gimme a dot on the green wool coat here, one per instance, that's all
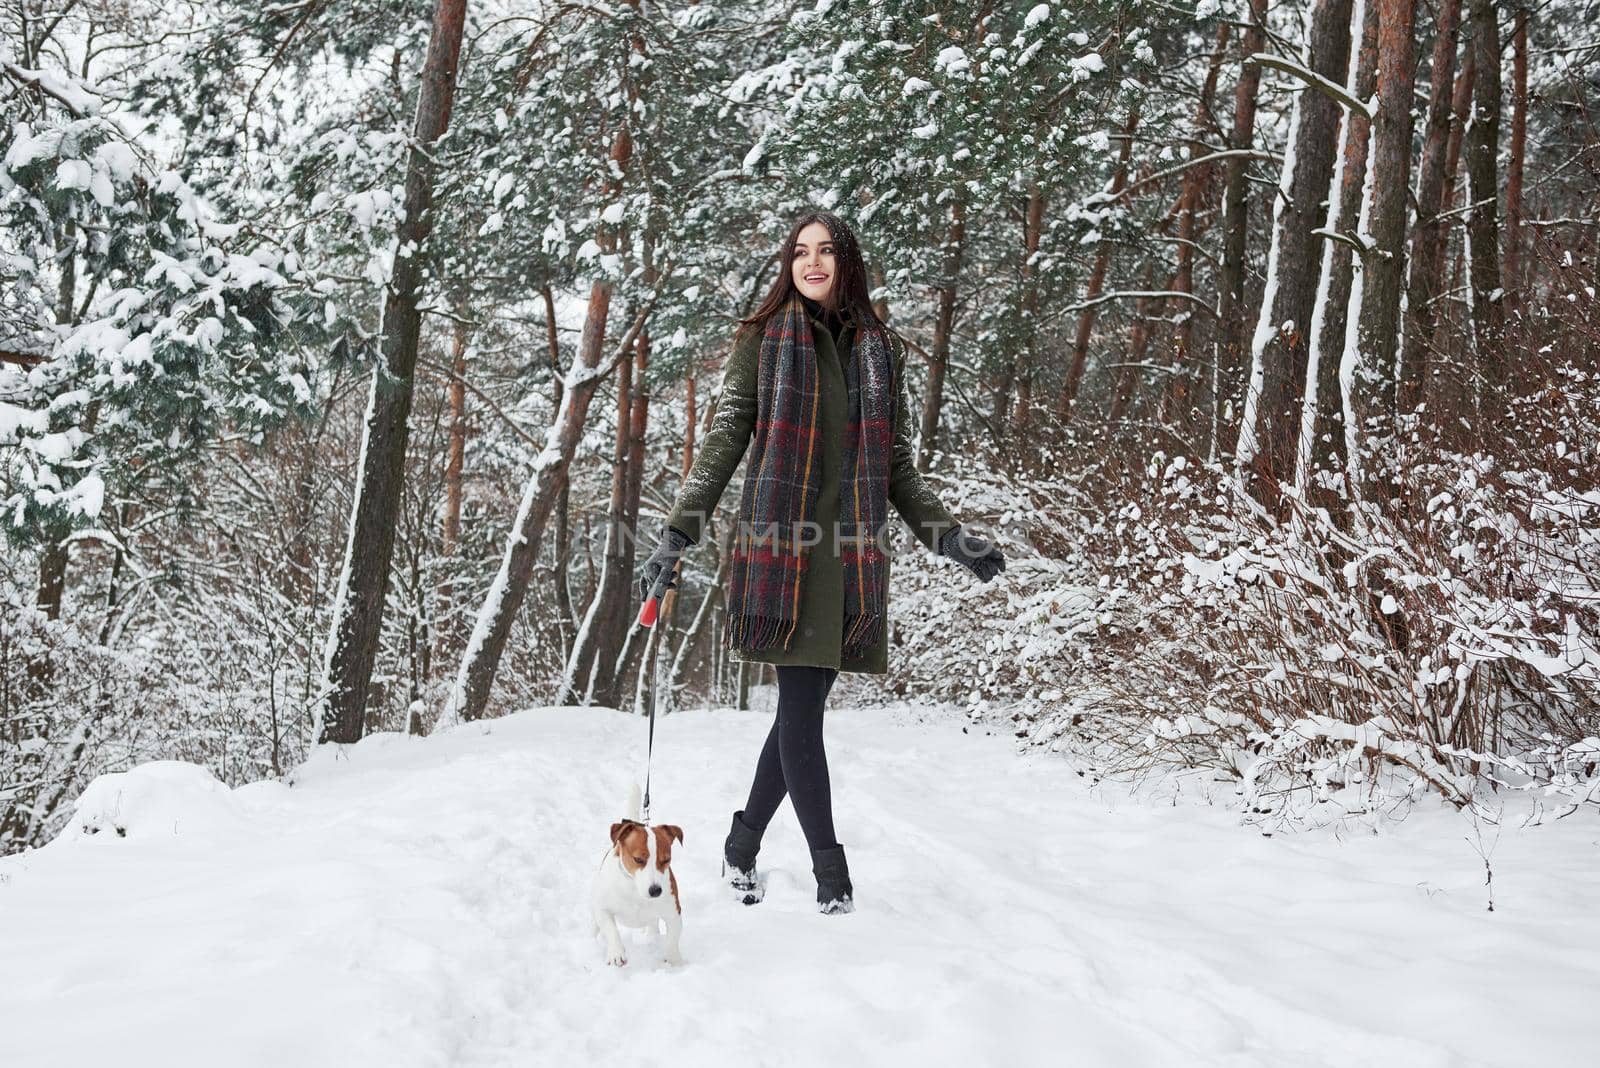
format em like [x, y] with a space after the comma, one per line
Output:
[819, 633]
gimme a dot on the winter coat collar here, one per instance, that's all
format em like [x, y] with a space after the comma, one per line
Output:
[834, 322]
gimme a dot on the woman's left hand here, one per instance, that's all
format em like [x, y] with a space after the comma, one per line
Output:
[978, 555]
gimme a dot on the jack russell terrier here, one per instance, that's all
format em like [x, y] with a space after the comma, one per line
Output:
[635, 886]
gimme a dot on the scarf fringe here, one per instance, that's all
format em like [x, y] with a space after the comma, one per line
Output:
[755, 633]
[751, 631]
[861, 632]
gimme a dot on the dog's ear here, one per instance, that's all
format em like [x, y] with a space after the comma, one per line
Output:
[672, 831]
[617, 829]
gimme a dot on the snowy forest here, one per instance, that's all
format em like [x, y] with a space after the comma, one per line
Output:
[352, 353]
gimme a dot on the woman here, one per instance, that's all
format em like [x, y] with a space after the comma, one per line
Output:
[815, 386]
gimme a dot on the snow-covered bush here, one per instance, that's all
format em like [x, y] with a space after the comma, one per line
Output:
[1347, 658]
[218, 676]
[1013, 637]
[162, 797]
[63, 702]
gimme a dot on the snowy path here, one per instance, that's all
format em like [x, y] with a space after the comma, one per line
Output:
[424, 902]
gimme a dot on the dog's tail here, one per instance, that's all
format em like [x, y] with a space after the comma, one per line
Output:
[633, 801]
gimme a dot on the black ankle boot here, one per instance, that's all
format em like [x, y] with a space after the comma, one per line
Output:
[833, 880]
[739, 861]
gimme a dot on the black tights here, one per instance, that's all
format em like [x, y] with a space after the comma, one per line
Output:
[793, 760]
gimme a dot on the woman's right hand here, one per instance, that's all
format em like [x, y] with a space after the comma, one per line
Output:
[657, 576]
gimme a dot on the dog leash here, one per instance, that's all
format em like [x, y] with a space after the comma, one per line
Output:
[649, 749]
[648, 613]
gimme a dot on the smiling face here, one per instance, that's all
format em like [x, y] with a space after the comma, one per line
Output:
[813, 264]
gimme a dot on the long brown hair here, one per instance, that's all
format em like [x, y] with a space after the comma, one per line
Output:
[850, 290]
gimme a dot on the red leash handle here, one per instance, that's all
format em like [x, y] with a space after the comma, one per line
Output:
[652, 605]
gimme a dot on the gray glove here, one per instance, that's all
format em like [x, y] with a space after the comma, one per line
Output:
[976, 554]
[657, 576]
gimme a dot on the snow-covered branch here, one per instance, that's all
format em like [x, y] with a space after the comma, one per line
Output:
[1316, 81]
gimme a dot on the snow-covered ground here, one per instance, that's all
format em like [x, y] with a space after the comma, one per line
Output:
[424, 902]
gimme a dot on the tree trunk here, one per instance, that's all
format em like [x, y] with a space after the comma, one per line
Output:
[1384, 260]
[53, 561]
[705, 610]
[1446, 385]
[1138, 344]
[1461, 116]
[611, 669]
[669, 609]
[688, 425]
[1481, 144]
[694, 424]
[1028, 304]
[876, 279]
[939, 354]
[559, 572]
[1427, 240]
[1176, 396]
[1097, 281]
[562, 549]
[1519, 149]
[456, 458]
[119, 519]
[1322, 432]
[1270, 423]
[1229, 344]
[52, 579]
[358, 609]
[586, 663]
[880, 307]
[552, 340]
[1022, 410]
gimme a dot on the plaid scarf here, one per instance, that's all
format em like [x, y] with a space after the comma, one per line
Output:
[776, 527]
